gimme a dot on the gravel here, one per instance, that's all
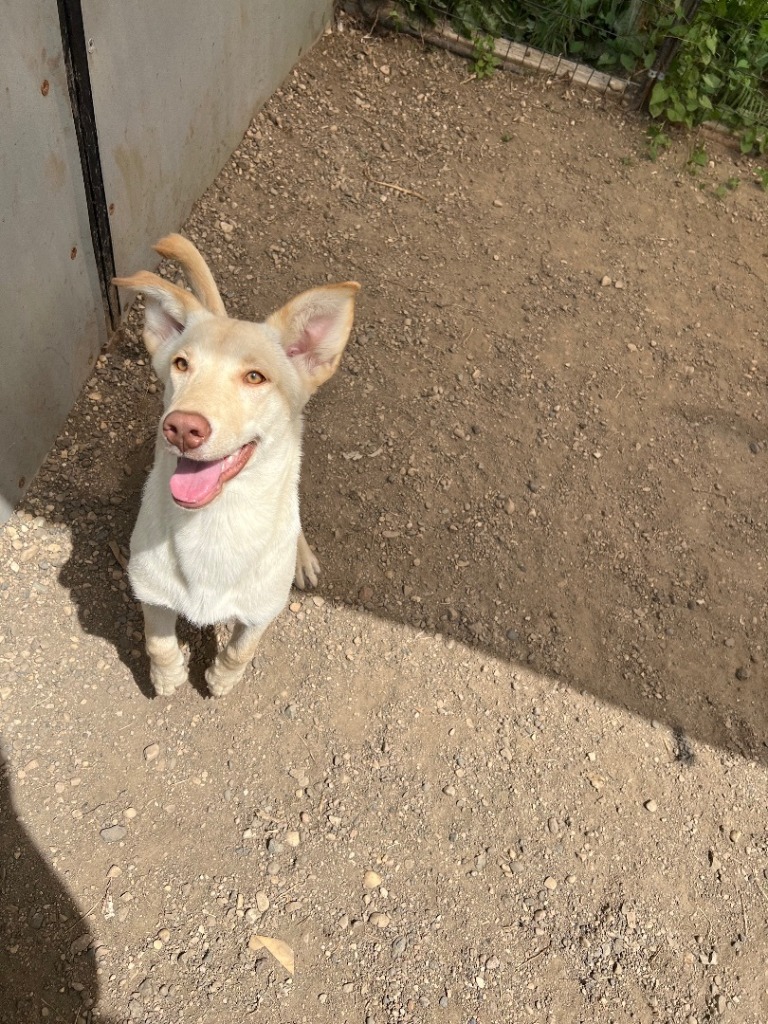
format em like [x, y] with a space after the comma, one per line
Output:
[503, 764]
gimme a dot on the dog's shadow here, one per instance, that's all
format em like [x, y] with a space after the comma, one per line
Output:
[95, 575]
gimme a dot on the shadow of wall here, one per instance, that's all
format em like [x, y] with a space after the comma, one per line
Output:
[47, 966]
[622, 576]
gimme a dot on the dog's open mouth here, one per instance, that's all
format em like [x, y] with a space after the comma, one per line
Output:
[195, 483]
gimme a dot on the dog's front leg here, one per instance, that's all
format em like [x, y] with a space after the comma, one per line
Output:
[166, 662]
[232, 662]
[307, 565]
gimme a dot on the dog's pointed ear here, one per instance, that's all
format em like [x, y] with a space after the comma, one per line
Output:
[314, 330]
[167, 308]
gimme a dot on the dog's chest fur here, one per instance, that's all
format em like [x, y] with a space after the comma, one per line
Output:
[234, 559]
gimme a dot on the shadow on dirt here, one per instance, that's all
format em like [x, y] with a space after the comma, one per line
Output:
[95, 577]
[508, 542]
[512, 540]
[47, 968]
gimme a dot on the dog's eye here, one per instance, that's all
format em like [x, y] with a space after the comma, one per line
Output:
[181, 364]
[254, 377]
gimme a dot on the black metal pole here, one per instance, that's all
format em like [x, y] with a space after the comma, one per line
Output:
[75, 48]
[666, 55]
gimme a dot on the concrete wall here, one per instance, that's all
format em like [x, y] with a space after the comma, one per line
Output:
[51, 317]
[175, 85]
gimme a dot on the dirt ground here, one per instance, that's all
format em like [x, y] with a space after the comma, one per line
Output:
[510, 762]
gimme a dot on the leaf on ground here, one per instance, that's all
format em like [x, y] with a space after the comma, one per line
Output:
[120, 558]
[280, 950]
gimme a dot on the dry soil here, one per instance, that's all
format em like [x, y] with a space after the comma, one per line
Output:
[510, 762]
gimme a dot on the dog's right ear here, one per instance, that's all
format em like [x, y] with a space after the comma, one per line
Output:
[168, 308]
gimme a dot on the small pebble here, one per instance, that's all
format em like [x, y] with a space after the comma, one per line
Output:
[371, 880]
[113, 834]
[151, 752]
[80, 944]
[651, 806]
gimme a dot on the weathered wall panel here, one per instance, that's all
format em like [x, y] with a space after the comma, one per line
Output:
[51, 317]
[175, 85]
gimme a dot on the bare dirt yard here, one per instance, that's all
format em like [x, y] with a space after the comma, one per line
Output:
[509, 763]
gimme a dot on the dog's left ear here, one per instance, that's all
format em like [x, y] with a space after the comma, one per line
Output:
[314, 330]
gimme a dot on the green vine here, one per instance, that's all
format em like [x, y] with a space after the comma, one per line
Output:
[719, 73]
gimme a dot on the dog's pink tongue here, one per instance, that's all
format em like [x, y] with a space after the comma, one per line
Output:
[193, 482]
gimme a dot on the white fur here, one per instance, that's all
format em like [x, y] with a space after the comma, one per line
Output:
[235, 557]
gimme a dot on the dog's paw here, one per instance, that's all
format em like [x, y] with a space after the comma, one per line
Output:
[166, 681]
[220, 682]
[307, 566]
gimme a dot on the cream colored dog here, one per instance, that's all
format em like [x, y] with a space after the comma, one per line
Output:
[218, 536]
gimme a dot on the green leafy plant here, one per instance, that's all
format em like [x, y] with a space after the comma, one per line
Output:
[761, 174]
[484, 59]
[658, 141]
[727, 186]
[719, 71]
[610, 34]
[697, 160]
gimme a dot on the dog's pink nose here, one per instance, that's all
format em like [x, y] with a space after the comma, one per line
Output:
[186, 430]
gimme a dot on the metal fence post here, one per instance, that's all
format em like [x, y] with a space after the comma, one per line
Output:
[666, 55]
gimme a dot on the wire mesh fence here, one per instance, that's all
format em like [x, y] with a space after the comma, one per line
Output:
[687, 61]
